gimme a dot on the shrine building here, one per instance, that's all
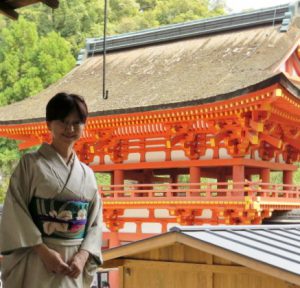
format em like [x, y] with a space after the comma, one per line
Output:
[232, 256]
[198, 117]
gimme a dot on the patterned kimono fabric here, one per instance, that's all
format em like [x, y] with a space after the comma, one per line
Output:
[52, 203]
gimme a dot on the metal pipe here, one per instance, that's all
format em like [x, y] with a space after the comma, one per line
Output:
[105, 92]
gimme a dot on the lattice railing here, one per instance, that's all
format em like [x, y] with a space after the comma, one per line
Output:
[204, 191]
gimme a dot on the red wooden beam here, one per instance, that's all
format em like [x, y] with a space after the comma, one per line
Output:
[199, 163]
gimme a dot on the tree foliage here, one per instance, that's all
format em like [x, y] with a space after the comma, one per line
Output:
[9, 155]
[74, 20]
[134, 15]
[80, 19]
[29, 62]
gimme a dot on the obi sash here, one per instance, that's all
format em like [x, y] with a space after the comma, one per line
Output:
[60, 219]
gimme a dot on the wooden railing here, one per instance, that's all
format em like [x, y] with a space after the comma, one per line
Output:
[218, 190]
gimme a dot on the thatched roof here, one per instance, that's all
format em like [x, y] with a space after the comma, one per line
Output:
[8, 7]
[174, 73]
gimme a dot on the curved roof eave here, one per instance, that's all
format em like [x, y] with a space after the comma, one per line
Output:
[279, 78]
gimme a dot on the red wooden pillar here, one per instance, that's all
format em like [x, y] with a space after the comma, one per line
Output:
[118, 179]
[222, 178]
[174, 180]
[195, 174]
[238, 175]
[114, 275]
[287, 179]
[164, 227]
[146, 179]
[265, 177]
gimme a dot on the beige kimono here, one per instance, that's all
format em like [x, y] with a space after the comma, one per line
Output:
[44, 174]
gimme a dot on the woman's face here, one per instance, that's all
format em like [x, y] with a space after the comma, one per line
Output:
[66, 131]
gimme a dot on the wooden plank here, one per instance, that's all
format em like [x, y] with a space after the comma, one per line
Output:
[210, 280]
[152, 274]
[240, 259]
[210, 275]
[249, 281]
[178, 252]
[121, 277]
[209, 259]
[191, 163]
[140, 246]
[189, 267]
[8, 11]
[113, 263]
[192, 255]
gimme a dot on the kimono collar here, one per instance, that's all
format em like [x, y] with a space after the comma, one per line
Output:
[52, 155]
[72, 178]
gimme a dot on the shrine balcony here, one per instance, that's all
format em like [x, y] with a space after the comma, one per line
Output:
[230, 203]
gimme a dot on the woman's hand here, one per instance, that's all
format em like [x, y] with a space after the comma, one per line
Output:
[77, 263]
[52, 260]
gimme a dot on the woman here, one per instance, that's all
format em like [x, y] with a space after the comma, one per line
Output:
[51, 222]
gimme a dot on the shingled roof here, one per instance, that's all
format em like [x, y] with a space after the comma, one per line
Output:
[171, 74]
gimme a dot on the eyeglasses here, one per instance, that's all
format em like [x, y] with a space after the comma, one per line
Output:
[65, 124]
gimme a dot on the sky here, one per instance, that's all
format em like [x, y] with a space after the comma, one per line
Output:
[240, 5]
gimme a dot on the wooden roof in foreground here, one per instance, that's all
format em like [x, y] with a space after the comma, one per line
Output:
[178, 73]
[8, 7]
[270, 249]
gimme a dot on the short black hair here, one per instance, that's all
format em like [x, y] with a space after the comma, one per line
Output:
[62, 104]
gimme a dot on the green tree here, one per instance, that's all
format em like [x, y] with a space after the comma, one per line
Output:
[29, 63]
[74, 20]
[80, 19]
[103, 178]
[296, 175]
[176, 11]
[53, 58]
[218, 7]
[130, 15]
[9, 155]
[122, 8]
[147, 4]
[138, 22]
[18, 78]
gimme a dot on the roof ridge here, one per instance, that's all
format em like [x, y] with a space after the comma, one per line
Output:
[188, 29]
[233, 227]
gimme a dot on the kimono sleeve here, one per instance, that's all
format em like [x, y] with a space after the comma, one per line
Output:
[93, 240]
[17, 227]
